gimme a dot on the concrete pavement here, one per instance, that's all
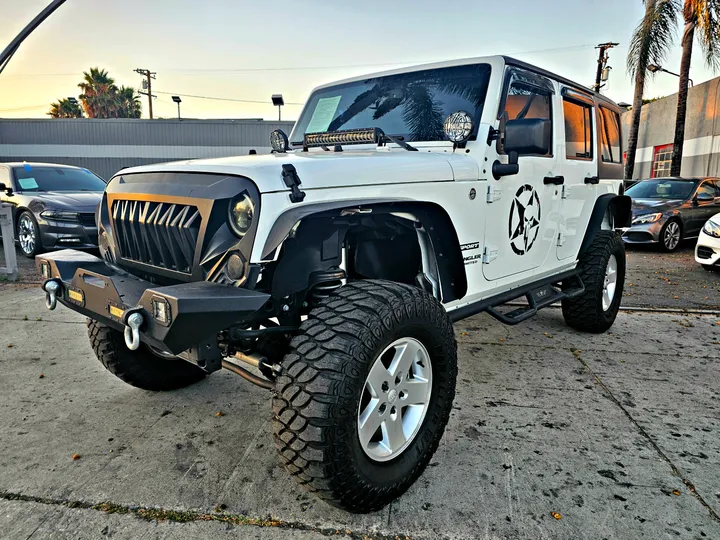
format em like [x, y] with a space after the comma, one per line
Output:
[616, 434]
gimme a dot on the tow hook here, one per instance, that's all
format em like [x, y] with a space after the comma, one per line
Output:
[51, 288]
[132, 331]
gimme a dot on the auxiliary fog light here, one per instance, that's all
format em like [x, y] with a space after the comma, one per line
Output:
[161, 311]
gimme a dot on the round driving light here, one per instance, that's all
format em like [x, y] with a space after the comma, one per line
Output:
[235, 268]
[458, 126]
[241, 214]
[279, 141]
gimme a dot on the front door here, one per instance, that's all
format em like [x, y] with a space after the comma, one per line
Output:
[704, 204]
[521, 213]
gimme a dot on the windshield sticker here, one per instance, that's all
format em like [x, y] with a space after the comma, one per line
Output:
[324, 114]
[27, 183]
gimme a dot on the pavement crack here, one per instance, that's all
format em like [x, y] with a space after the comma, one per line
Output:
[188, 516]
[675, 470]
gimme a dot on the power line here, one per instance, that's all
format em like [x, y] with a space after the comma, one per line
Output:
[26, 108]
[222, 98]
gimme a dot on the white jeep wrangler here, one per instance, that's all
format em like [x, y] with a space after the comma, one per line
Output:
[335, 266]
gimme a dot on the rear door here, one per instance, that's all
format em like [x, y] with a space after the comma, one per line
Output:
[703, 210]
[579, 165]
[521, 218]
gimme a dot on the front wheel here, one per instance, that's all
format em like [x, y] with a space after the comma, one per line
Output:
[365, 393]
[602, 269]
[671, 235]
[143, 368]
[28, 235]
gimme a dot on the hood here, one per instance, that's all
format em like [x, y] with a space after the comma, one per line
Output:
[77, 201]
[319, 169]
[647, 206]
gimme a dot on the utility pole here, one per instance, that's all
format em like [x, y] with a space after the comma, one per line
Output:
[602, 62]
[147, 85]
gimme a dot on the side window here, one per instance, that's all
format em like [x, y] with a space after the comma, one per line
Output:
[578, 130]
[610, 136]
[717, 187]
[707, 189]
[525, 101]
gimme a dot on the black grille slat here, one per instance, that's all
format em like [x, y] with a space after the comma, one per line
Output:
[159, 234]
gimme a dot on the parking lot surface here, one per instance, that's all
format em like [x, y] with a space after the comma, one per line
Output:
[554, 434]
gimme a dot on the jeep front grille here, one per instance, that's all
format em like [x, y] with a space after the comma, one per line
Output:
[158, 234]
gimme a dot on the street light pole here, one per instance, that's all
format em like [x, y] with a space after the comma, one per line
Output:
[7, 54]
[278, 101]
[177, 100]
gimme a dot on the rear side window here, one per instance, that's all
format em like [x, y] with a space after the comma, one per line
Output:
[610, 136]
[578, 130]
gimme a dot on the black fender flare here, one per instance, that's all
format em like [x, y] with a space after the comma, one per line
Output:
[434, 218]
[618, 206]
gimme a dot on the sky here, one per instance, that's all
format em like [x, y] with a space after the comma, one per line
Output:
[250, 49]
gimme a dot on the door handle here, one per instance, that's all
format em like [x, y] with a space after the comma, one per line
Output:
[592, 180]
[556, 180]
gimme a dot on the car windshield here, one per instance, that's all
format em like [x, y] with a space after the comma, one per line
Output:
[661, 189]
[408, 105]
[46, 178]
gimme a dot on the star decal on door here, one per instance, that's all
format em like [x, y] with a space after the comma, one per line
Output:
[524, 224]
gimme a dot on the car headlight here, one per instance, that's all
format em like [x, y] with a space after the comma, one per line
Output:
[646, 218]
[713, 229]
[59, 215]
[242, 210]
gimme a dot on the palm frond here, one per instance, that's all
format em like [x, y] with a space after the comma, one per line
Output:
[654, 36]
[705, 15]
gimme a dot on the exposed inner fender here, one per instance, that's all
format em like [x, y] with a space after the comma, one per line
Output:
[317, 243]
[613, 210]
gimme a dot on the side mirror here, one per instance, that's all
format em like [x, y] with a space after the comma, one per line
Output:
[5, 189]
[704, 197]
[526, 136]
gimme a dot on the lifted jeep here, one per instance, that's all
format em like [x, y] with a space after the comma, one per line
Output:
[333, 268]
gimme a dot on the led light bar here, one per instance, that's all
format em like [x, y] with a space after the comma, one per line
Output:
[349, 136]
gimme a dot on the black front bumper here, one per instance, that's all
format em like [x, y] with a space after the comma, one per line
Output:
[197, 310]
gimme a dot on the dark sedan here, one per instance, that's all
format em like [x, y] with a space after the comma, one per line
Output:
[53, 205]
[669, 210]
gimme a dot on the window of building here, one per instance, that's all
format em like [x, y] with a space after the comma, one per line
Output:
[610, 136]
[578, 130]
[662, 158]
[525, 101]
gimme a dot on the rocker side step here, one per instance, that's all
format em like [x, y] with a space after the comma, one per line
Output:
[538, 295]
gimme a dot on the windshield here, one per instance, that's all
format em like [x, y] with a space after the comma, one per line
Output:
[408, 105]
[32, 178]
[661, 189]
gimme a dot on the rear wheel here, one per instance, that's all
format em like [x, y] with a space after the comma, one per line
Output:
[143, 368]
[602, 269]
[671, 235]
[365, 393]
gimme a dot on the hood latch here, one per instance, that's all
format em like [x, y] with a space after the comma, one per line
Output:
[292, 180]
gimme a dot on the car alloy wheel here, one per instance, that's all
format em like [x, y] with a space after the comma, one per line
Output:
[610, 283]
[671, 238]
[27, 234]
[395, 399]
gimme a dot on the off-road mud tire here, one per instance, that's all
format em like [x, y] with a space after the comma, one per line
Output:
[140, 368]
[318, 393]
[586, 313]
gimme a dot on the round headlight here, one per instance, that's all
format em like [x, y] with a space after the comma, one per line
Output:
[279, 141]
[241, 214]
[458, 126]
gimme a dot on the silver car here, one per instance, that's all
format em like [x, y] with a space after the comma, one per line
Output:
[53, 205]
[669, 210]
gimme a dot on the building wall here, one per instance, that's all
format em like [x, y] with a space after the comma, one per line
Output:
[106, 146]
[701, 151]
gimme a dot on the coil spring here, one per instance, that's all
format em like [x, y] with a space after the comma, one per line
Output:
[326, 282]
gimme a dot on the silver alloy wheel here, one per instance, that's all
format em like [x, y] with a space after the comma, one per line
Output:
[672, 235]
[26, 234]
[610, 284]
[395, 399]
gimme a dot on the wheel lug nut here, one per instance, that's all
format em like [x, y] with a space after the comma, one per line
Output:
[382, 408]
[385, 386]
[397, 380]
[392, 410]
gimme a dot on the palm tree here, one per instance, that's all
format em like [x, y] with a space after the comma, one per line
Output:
[99, 94]
[650, 44]
[128, 103]
[64, 108]
[701, 16]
